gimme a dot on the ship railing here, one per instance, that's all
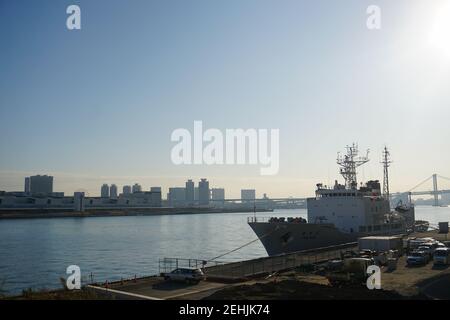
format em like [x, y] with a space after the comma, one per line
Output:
[254, 219]
[258, 219]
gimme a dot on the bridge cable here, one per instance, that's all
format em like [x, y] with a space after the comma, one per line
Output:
[442, 177]
[429, 178]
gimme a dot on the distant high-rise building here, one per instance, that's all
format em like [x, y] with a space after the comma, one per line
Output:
[126, 189]
[196, 194]
[217, 194]
[177, 197]
[203, 192]
[445, 199]
[248, 195]
[78, 201]
[190, 192]
[155, 189]
[113, 191]
[136, 188]
[27, 188]
[104, 191]
[41, 184]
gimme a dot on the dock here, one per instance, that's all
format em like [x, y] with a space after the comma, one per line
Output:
[407, 281]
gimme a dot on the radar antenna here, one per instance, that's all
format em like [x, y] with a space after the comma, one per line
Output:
[349, 162]
[386, 161]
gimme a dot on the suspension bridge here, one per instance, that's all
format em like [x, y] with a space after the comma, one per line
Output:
[435, 192]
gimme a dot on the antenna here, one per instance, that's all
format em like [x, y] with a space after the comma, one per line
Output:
[349, 162]
[386, 161]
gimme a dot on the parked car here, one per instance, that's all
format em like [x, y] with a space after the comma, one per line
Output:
[441, 245]
[427, 249]
[441, 256]
[185, 274]
[417, 258]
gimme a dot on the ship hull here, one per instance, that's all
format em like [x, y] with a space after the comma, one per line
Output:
[282, 238]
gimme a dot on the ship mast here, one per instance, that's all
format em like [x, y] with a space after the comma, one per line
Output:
[349, 162]
[386, 161]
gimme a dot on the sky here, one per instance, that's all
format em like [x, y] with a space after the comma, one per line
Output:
[98, 105]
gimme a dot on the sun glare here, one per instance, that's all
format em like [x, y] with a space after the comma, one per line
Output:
[440, 32]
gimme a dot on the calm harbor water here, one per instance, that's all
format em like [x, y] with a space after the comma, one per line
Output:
[35, 253]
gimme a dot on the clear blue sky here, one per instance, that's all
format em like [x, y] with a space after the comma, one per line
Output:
[99, 104]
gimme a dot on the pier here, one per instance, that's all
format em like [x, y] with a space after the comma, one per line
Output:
[265, 270]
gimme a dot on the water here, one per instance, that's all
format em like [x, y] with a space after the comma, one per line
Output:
[35, 253]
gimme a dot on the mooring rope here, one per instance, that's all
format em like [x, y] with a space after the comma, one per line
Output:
[244, 245]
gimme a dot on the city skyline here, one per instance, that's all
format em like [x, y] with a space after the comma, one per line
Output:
[99, 104]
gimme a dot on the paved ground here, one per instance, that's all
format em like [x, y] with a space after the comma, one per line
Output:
[157, 287]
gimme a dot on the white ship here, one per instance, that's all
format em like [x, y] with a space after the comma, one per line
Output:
[337, 215]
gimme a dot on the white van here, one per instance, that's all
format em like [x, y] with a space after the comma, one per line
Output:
[441, 256]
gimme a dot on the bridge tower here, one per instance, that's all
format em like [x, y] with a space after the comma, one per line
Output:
[435, 191]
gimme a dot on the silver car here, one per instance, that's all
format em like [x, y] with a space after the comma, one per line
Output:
[186, 275]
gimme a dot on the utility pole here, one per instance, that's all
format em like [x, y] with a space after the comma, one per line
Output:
[386, 163]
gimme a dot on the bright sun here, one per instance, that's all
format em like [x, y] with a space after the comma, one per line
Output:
[440, 32]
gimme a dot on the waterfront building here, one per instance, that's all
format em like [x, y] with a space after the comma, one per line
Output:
[203, 192]
[126, 189]
[104, 191]
[78, 202]
[177, 197]
[41, 184]
[190, 192]
[248, 195]
[196, 195]
[113, 191]
[136, 188]
[218, 196]
[27, 188]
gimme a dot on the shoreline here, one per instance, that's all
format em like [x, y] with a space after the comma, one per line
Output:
[123, 212]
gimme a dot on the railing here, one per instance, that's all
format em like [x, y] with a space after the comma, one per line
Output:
[169, 264]
[268, 265]
[254, 219]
